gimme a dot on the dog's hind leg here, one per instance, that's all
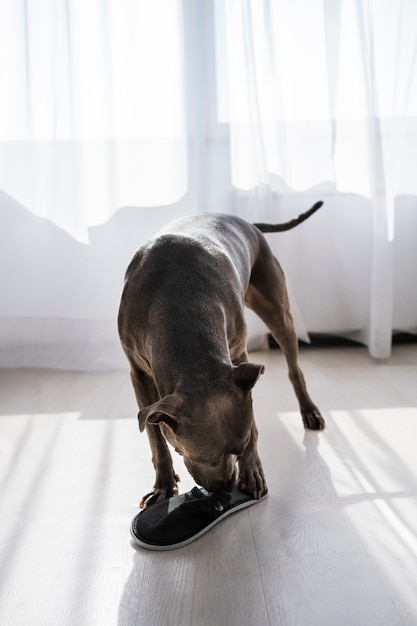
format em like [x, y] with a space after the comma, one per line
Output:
[166, 480]
[267, 297]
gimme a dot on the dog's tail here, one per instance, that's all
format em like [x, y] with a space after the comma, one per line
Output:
[277, 228]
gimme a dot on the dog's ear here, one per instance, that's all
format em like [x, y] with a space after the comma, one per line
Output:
[166, 410]
[245, 374]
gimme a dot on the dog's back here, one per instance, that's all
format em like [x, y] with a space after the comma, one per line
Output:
[190, 278]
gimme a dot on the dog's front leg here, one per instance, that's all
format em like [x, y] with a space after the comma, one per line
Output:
[251, 477]
[166, 480]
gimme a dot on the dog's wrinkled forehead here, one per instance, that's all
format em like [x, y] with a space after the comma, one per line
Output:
[217, 407]
[214, 405]
[220, 419]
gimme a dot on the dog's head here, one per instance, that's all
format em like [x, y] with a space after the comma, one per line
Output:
[210, 428]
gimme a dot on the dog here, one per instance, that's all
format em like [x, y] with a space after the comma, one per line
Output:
[181, 325]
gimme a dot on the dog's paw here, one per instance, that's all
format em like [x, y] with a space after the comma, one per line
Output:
[160, 492]
[156, 496]
[312, 419]
[252, 481]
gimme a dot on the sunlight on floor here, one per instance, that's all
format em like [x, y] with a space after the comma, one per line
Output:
[368, 460]
[334, 544]
[375, 476]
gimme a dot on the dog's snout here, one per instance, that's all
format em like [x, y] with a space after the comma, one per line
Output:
[214, 478]
[231, 483]
[224, 485]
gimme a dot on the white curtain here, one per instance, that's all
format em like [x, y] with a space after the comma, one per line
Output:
[117, 116]
[92, 115]
[326, 91]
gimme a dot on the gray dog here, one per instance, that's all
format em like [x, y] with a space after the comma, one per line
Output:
[182, 327]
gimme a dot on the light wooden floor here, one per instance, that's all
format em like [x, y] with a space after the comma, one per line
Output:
[334, 544]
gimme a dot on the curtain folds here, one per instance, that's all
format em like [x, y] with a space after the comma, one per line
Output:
[327, 92]
[118, 116]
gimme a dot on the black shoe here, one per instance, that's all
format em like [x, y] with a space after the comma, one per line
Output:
[178, 521]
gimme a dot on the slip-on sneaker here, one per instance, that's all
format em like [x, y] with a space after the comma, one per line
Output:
[178, 521]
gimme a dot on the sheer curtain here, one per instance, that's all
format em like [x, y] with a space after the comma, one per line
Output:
[104, 121]
[118, 116]
[92, 116]
[327, 92]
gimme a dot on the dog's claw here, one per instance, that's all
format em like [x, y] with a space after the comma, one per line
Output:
[254, 485]
[149, 499]
[156, 496]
